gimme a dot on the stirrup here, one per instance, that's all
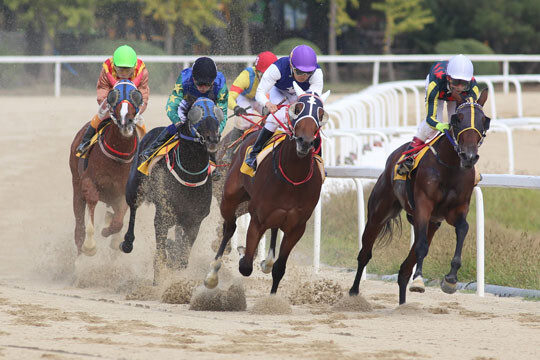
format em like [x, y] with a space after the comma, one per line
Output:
[405, 167]
[251, 161]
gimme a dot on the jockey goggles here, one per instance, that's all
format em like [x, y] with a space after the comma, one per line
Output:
[124, 71]
[460, 83]
[300, 72]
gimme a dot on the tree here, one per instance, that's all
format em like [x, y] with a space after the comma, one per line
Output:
[43, 18]
[192, 15]
[401, 16]
[338, 18]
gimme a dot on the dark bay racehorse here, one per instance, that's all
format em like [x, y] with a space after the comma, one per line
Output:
[441, 187]
[102, 176]
[283, 192]
[179, 185]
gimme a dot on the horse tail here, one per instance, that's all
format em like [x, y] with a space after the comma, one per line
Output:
[386, 234]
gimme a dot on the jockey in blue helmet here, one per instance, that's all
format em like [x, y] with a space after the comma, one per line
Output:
[277, 81]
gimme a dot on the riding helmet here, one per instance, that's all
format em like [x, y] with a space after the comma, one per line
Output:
[125, 56]
[204, 70]
[303, 58]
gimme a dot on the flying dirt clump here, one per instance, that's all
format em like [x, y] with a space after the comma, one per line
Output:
[179, 292]
[353, 303]
[320, 291]
[233, 299]
[271, 305]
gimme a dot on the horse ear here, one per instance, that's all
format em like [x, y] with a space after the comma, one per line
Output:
[295, 109]
[298, 89]
[195, 114]
[136, 97]
[325, 96]
[483, 97]
[219, 114]
[323, 117]
[113, 96]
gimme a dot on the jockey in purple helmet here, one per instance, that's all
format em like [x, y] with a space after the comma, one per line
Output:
[277, 81]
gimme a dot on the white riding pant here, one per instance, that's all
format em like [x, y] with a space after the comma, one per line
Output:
[240, 122]
[276, 96]
[424, 131]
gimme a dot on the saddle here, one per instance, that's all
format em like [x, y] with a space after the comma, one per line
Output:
[417, 158]
[274, 141]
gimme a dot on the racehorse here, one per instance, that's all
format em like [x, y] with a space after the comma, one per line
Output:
[439, 189]
[103, 174]
[180, 186]
[281, 195]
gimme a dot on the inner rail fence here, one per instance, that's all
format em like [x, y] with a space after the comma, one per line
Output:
[186, 60]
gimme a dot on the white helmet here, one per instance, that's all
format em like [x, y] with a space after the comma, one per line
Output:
[460, 67]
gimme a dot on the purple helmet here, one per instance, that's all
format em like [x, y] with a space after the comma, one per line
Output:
[303, 58]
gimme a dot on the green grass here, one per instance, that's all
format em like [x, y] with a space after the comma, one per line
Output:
[512, 240]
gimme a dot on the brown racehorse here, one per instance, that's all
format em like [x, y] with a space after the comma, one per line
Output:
[440, 189]
[102, 176]
[283, 192]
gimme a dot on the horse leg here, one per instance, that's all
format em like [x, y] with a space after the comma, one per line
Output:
[380, 214]
[116, 224]
[127, 245]
[162, 223]
[89, 245]
[449, 283]
[287, 244]
[229, 226]
[406, 267]
[266, 264]
[254, 234]
[183, 244]
[91, 196]
[79, 209]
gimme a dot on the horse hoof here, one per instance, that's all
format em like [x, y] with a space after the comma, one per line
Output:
[417, 285]
[448, 287]
[353, 292]
[266, 266]
[126, 246]
[241, 250]
[211, 281]
[116, 243]
[89, 251]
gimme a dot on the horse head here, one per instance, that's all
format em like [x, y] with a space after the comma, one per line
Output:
[308, 107]
[468, 128]
[203, 122]
[124, 101]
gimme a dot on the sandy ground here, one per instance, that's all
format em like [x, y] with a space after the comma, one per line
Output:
[54, 305]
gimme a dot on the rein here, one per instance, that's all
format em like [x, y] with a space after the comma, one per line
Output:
[294, 183]
[170, 167]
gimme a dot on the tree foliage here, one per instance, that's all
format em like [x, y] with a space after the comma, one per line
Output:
[194, 15]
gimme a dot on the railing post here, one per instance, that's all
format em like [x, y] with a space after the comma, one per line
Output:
[57, 72]
[506, 72]
[479, 241]
[376, 67]
[361, 217]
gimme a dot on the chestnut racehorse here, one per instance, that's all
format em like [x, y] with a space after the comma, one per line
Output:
[283, 192]
[103, 174]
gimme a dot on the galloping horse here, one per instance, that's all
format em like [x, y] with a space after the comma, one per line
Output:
[283, 192]
[102, 176]
[439, 189]
[180, 185]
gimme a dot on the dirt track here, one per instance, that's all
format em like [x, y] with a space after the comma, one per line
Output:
[56, 306]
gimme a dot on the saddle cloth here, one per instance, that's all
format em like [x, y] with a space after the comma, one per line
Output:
[417, 158]
[277, 138]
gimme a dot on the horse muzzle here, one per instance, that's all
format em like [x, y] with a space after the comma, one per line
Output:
[468, 159]
[303, 147]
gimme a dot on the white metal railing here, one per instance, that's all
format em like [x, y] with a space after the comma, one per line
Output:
[358, 173]
[384, 108]
[376, 60]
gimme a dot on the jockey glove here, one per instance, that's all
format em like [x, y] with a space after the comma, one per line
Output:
[442, 126]
[238, 110]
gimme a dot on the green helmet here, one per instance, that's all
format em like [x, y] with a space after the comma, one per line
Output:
[125, 56]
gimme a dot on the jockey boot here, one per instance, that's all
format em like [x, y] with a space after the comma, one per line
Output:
[264, 135]
[406, 166]
[85, 141]
[235, 135]
[155, 145]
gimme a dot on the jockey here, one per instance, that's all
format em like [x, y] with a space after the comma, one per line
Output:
[201, 80]
[123, 65]
[243, 89]
[277, 81]
[445, 81]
